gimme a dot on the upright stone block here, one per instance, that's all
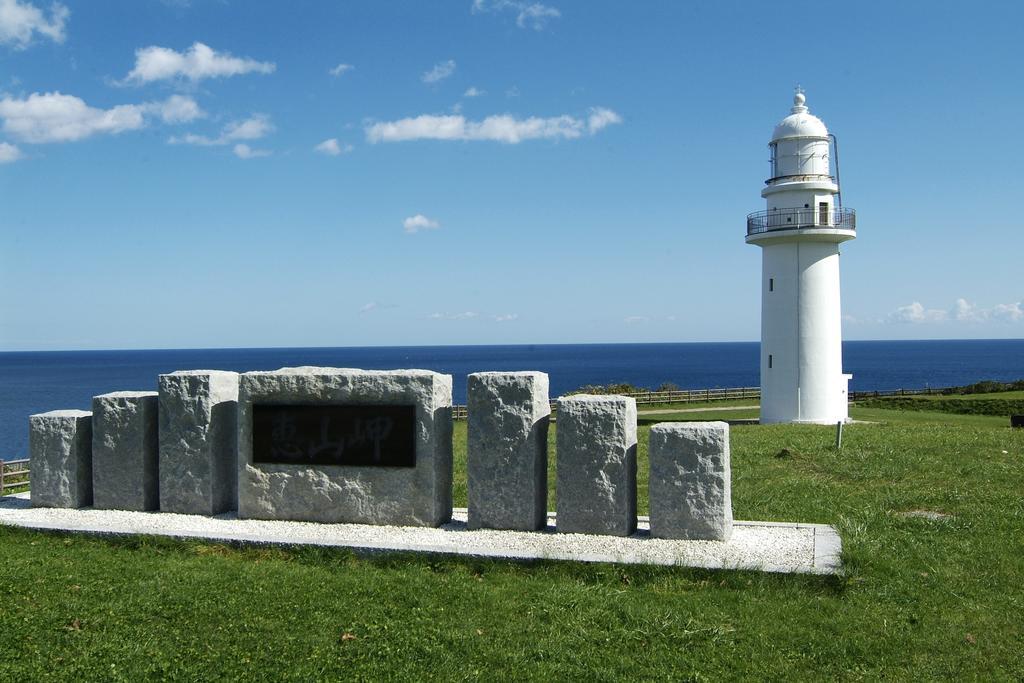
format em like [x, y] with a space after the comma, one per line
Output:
[124, 451]
[691, 481]
[60, 458]
[198, 441]
[300, 421]
[596, 454]
[507, 450]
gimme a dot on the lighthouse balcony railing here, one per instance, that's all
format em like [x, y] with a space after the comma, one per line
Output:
[799, 177]
[800, 219]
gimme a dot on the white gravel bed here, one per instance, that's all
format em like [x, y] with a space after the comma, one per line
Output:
[764, 546]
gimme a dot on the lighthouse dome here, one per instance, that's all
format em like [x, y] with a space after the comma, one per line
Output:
[800, 123]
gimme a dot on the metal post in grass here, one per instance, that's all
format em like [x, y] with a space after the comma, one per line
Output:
[839, 435]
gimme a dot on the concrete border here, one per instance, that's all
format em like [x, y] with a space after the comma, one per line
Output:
[777, 547]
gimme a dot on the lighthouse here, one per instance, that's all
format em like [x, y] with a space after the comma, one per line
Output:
[799, 233]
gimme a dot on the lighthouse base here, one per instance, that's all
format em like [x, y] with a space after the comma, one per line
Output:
[802, 407]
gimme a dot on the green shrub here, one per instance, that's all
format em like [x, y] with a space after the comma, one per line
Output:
[986, 387]
[621, 388]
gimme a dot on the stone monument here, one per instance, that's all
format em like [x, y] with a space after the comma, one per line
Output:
[345, 445]
[341, 445]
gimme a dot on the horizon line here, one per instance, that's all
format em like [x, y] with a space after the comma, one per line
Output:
[440, 346]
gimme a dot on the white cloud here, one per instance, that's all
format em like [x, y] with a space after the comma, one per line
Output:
[243, 151]
[9, 153]
[19, 21]
[253, 128]
[916, 313]
[340, 70]
[528, 14]
[962, 311]
[965, 311]
[1008, 312]
[193, 139]
[419, 222]
[470, 315]
[54, 117]
[375, 306]
[332, 147]
[601, 118]
[200, 61]
[441, 71]
[474, 92]
[465, 315]
[177, 109]
[634, 319]
[535, 15]
[500, 128]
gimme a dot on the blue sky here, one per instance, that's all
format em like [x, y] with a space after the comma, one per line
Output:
[225, 173]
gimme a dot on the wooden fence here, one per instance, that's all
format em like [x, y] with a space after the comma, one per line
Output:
[660, 397]
[706, 395]
[13, 474]
[930, 391]
[694, 395]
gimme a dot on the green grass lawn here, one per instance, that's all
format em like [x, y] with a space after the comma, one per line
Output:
[1003, 403]
[703, 416]
[916, 417]
[692, 405]
[920, 599]
[1007, 395]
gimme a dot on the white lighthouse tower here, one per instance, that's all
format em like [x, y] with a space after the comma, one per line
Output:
[802, 376]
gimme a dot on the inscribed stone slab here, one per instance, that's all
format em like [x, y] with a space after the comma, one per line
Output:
[413, 496]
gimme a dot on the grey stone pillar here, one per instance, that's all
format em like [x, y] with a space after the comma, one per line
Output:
[124, 451]
[60, 458]
[690, 482]
[198, 441]
[507, 450]
[596, 464]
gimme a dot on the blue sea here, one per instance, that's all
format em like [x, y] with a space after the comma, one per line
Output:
[33, 382]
